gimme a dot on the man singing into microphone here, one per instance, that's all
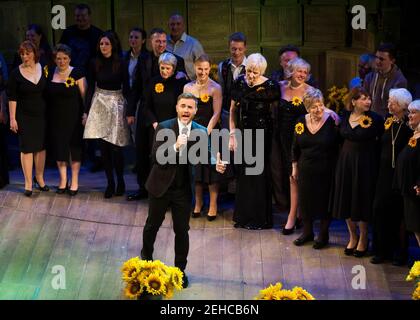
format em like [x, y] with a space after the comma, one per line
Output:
[169, 185]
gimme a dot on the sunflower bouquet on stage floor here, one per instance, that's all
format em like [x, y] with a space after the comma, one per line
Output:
[150, 278]
[336, 98]
[414, 275]
[277, 292]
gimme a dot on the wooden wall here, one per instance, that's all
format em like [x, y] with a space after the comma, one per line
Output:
[317, 26]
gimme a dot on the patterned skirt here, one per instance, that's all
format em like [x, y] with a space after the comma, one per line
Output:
[106, 119]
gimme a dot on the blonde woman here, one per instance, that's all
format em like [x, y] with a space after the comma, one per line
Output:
[209, 96]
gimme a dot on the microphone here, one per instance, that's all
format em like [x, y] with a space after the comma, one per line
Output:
[184, 130]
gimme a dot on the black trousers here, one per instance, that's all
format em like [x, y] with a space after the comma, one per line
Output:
[144, 140]
[179, 200]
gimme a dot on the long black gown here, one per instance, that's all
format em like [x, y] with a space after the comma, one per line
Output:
[316, 155]
[65, 111]
[388, 204]
[357, 168]
[253, 192]
[30, 110]
[407, 175]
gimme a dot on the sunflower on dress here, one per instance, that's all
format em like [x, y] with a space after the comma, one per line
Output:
[70, 82]
[46, 71]
[388, 123]
[159, 87]
[205, 97]
[299, 128]
[296, 101]
[412, 142]
[365, 122]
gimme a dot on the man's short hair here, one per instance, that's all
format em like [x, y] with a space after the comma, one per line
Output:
[187, 95]
[289, 47]
[84, 6]
[388, 47]
[156, 30]
[237, 37]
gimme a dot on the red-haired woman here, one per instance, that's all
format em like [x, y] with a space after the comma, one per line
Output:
[28, 114]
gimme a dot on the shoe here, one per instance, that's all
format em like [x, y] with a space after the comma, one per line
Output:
[141, 194]
[196, 214]
[361, 254]
[120, 189]
[319, 244]
[287, 232]
[144, 257]
[303, 239]
[62, 190]
[252, 227]
[211, 218]
[72, 193]
[110, 190]
[350, 251]
[185, 281]
[237, 225]
[377, 259]
[27, 193]
[44, 188]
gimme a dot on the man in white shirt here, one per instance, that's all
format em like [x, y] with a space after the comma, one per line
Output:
[182, 44]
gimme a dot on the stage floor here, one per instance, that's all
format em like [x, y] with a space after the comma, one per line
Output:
[91, 237]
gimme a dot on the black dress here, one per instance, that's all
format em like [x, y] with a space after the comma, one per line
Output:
[357, 168]
[30, 111]
[407, 175]
[388, 204]
[316, 155]
[65, 109]
[161, 97]
[253, 192]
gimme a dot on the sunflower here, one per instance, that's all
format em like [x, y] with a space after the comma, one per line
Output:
[414, 271]
[169, 291]
[365, 122]
[296, 101]
[205, 97]
[70, 82]
[388, 123]
[299, 128]
[285, 295]
[155, 284]
[416, 293]
[176, 277]
[270, 293]
[159, 87]
[302, 294]
[412, 143]
[46, 71]
[133, 290]
[130, 269]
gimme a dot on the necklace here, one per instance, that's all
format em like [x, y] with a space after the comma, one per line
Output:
[315, 124]
[295, 88]
[393, 142]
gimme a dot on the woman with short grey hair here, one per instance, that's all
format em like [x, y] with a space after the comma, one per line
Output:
[314, 155]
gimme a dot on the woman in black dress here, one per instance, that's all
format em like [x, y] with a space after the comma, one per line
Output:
[28, 114]
[357, 168]
[162, 93]
[314, 155]
[252, 97]
[209, 96]
[407, 173]
[107, 115]
[66, 89]
[389, 240]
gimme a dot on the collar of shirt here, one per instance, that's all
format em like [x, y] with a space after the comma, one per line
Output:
[242, 64]
[183, 38]
[181, 126]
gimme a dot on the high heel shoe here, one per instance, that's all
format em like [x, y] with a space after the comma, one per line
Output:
[72, 193]
[62, 190]
[44, 188]
[211, 218]
[360, 254]
[27, 193]
[303, 239]
[110, 190]
[350, 251]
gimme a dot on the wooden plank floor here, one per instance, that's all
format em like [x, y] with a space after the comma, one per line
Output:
[91, 238]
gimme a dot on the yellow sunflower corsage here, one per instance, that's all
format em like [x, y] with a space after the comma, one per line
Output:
[299, 128]
[205, 97]
[159, 87]
[388, 123]
[70, 82]
[412, 142]
[365, 122]
[46, 71]
[296, 101]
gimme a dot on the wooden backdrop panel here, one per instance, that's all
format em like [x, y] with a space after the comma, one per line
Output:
[128, 14]
[157, 12]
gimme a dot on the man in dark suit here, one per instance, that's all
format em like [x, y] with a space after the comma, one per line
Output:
[148, 67]
[169, 185]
